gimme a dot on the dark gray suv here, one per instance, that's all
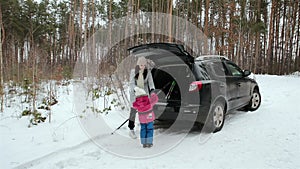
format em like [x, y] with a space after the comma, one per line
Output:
[201, 89]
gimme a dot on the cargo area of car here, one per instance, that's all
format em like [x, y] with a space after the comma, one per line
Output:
[173, 80]
[165, 82]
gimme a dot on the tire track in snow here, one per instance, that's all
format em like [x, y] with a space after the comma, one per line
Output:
[77, 150]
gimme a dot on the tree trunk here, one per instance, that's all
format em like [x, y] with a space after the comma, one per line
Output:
[241, 56]
[73, 48]
[297, 59]
[86, 35]
[206, 25]
[1, 63]
[126, 30]
[257, 38]
[92, 34]
[33, 56]
[153, 22]
[294, 35]
[138, 22]
[187, 31]
[131, 21]
[170, 20]
[177, 35]
[80, 22]
[231, 30]
[276, 47]
[223, 29]
[71, 33]
[282, 38]
[288, 37]
[264, 62]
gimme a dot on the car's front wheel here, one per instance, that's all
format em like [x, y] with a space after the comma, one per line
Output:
[255, 101]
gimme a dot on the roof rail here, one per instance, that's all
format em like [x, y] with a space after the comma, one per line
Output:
[209, 57]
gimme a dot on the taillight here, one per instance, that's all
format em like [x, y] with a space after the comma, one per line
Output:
[195, 86]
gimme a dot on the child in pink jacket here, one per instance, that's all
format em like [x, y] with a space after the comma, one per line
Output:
[144, 105]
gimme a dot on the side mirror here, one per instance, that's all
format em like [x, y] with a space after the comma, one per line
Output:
[247, 73]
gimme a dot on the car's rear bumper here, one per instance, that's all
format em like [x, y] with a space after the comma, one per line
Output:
[188, 112]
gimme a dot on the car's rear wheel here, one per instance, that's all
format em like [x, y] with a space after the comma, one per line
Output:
[255, 101]
[217, 117]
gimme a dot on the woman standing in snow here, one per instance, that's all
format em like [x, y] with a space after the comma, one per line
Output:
[139, 77]
[144, 105]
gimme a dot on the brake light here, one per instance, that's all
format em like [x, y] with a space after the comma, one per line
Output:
[195, 86]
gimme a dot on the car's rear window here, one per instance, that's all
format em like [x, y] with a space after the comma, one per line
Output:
[200, 71]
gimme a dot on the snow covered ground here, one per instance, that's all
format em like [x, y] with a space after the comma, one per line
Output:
[266, 138]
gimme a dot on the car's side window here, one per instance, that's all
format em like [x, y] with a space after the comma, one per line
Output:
[234, 69]
[219, 69]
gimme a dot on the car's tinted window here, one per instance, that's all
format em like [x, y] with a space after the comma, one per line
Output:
[213, 69]
[201, 71]
[219, 69]
[234, 69]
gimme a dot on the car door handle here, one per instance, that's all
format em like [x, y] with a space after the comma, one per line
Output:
[222, 85]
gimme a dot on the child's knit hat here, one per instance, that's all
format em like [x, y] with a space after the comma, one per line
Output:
[139, 92]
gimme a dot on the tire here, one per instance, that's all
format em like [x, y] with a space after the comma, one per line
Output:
[217, 117]
[254, 101]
